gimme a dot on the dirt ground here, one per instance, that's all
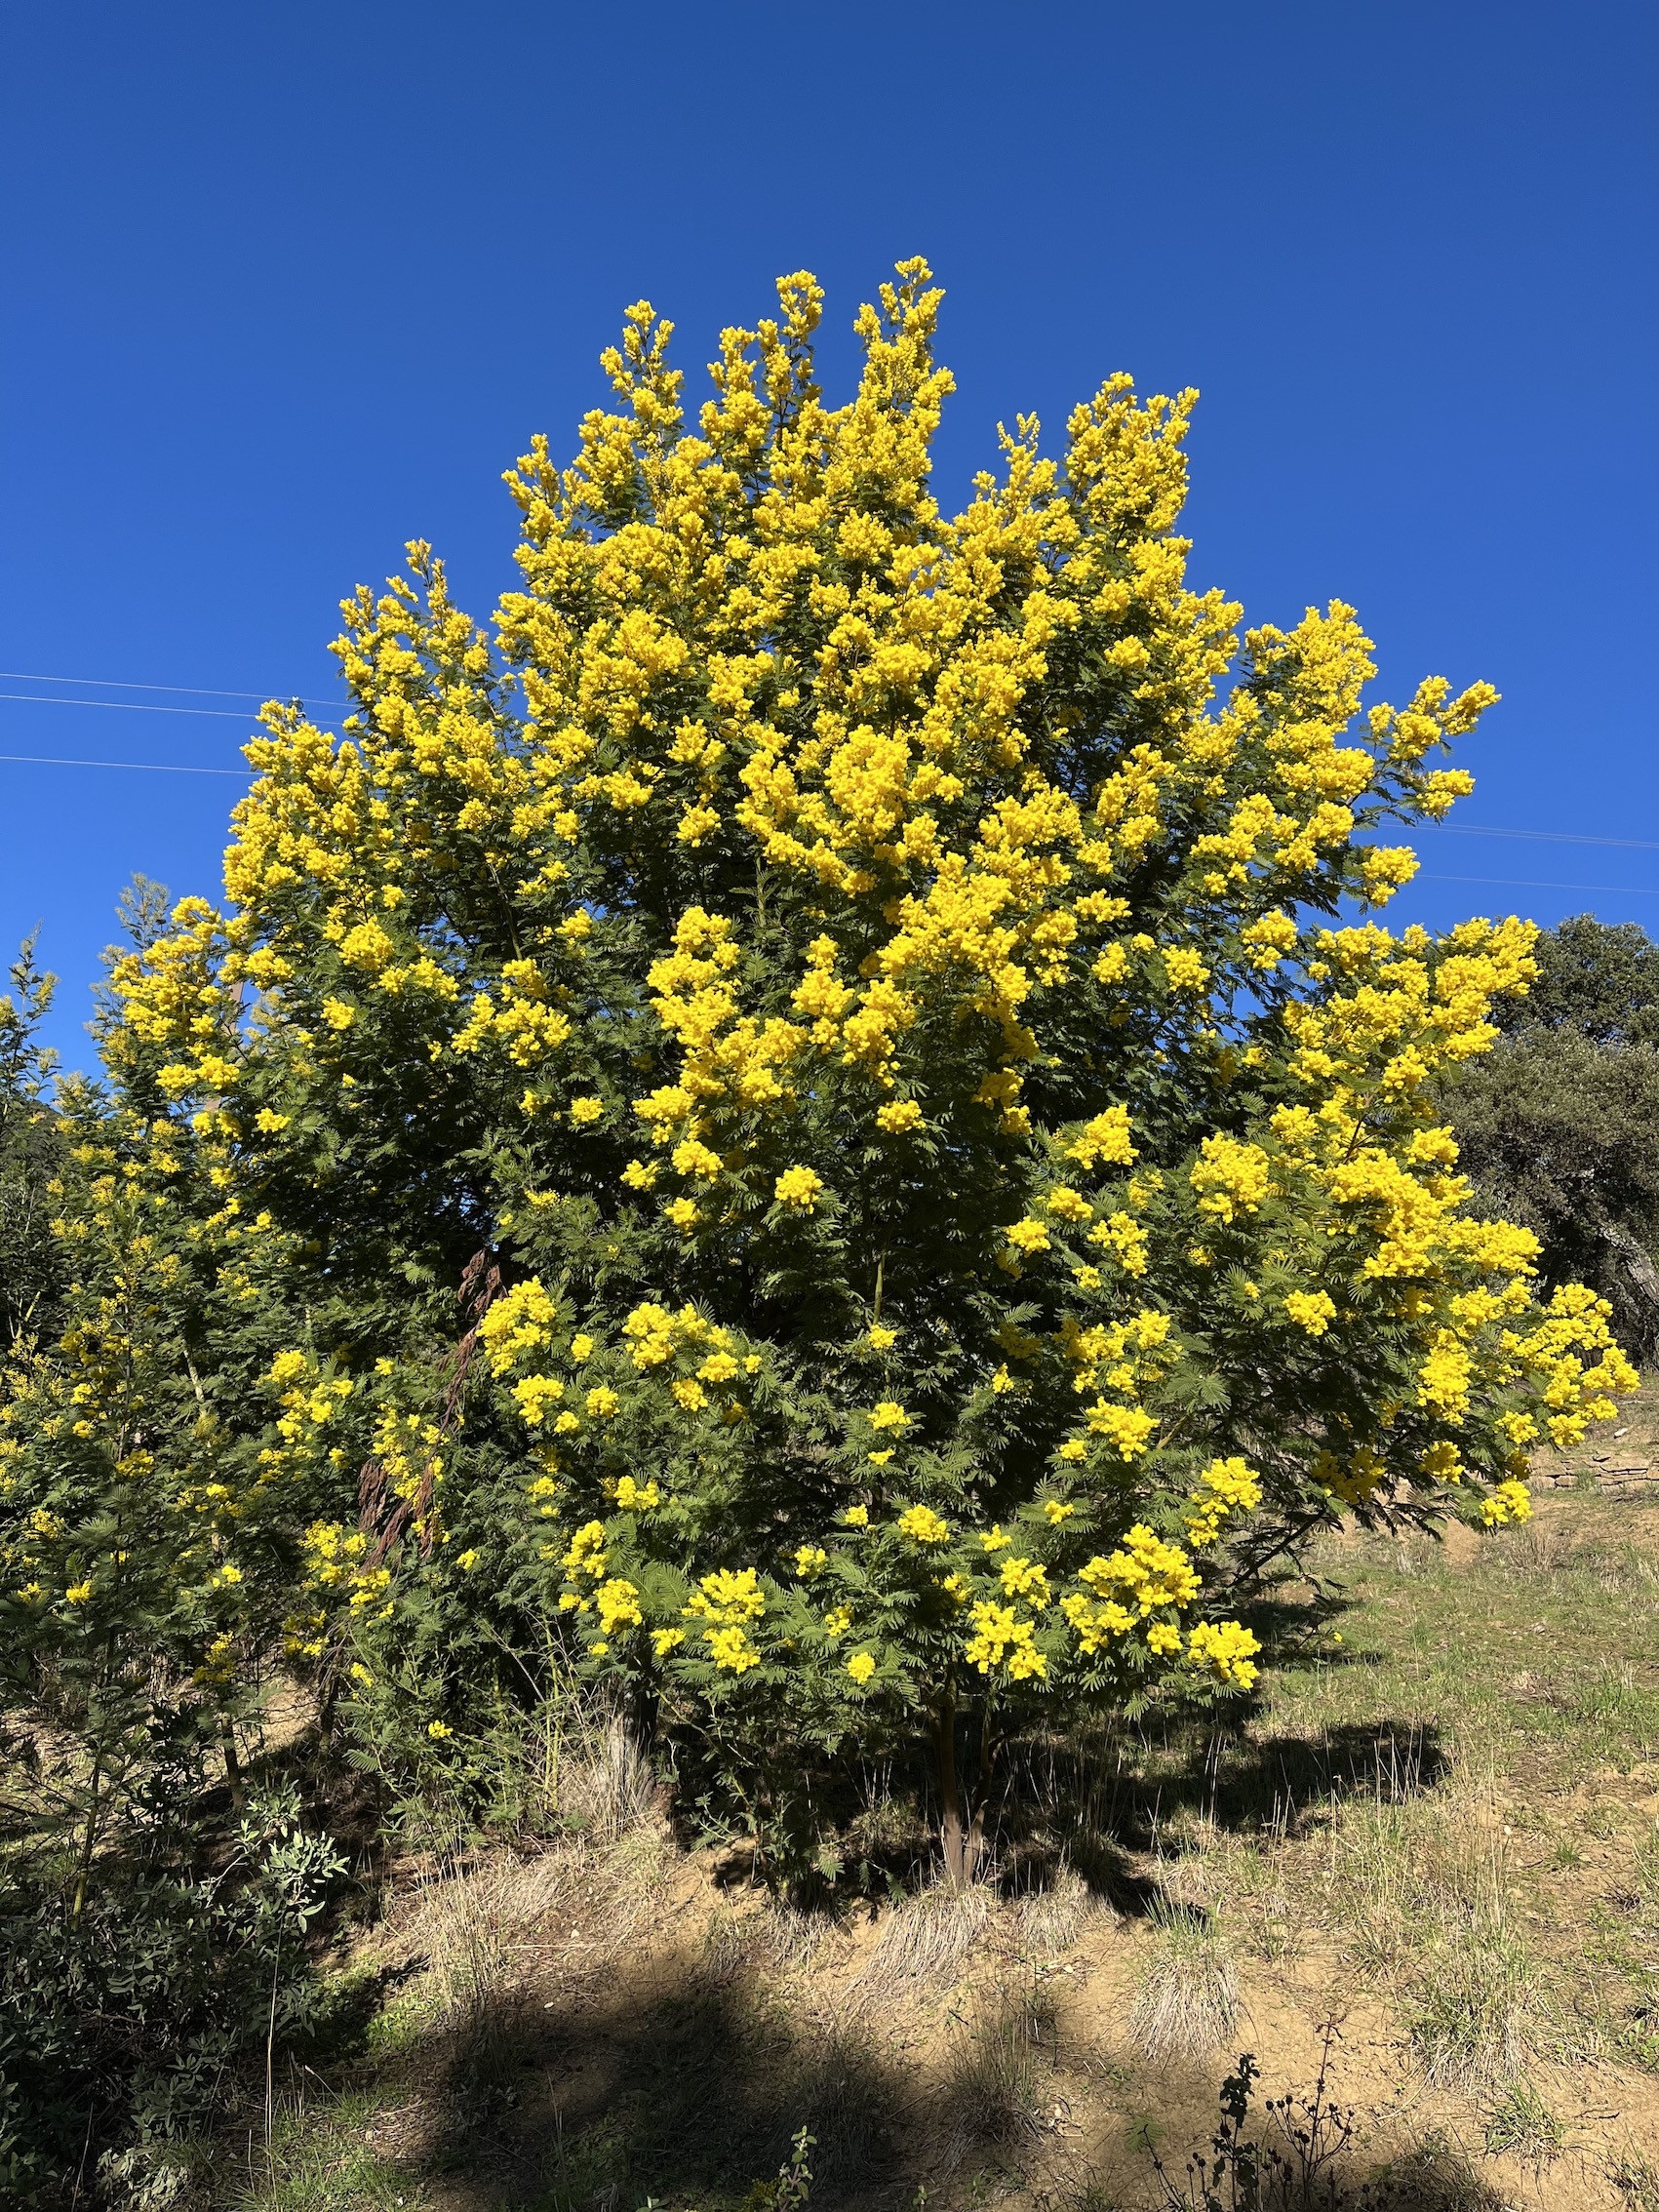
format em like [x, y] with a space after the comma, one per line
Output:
[1465, 1847]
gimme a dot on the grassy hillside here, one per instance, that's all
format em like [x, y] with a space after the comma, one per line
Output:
[1437, 1834]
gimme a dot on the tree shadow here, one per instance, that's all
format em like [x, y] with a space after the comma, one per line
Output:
[688, 2090]
[1431, 2177]
[337, 2023]
[1098, 1806]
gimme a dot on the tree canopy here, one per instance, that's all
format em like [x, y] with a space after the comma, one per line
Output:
[1559, 1126]
[1595, 979]
[798, 1109]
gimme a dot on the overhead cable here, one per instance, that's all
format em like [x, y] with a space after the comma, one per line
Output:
[151, 767]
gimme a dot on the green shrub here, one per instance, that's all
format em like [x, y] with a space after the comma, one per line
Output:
[120, 2020]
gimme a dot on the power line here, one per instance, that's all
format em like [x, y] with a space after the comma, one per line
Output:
[135, 706]
[151, 767]
[125, 706]
[1522, 883]
[1540, 835]
[116, 684]
[173, 768]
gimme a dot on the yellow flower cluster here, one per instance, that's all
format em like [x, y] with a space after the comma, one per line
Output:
[1226, 1650]
[924, 1525]
[1229, 1177]
[729, 1599]
[520, 1322]
[334, 1562]
[771, 893]
[798, 1187]
[1145, 1572]
[1000, 1636]
[1311, 1310]
[617, 1602]
[1509, 1501]
[1226, 1486]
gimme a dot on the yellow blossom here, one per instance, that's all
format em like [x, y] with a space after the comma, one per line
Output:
[798, 1187]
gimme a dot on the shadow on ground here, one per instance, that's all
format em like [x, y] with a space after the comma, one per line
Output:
[689, 2091]
[1104, 1812]
[685, 2080]
[693, 2093]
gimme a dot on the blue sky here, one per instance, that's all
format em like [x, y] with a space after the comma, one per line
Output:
[286, 287]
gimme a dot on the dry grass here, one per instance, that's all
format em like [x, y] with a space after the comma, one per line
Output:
[789, 1939]
[1269, 1904]
[1472, 2009]
[1436, 2175]
[927, 1941]
[484, 1934]
[1187, 2003]
[1522, 2125]
[1536, 1547]
[1051, 1921]
[1637, 2180]
[996, 2067]
[728, 1945]
[1442, 1824]
[1428, 1896]
[773, 1937]
[607, 1788]
[490, 1932]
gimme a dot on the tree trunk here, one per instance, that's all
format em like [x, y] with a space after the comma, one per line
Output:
[962, 1812]
[982, 1794]
[1637, 1265]
[954, 1841]
[88, 1839]
[232, 1764]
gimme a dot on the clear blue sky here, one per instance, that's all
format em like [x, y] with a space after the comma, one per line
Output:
[284, 287]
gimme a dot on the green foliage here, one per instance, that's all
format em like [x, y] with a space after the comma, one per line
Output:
[148, 1932]
[783, 1136]
[124, 2002]
[1558, 1127]
[791, 1109]
[31, 1159]
[1595, 979]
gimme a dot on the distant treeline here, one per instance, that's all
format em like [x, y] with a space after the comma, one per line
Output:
[1558, 1124]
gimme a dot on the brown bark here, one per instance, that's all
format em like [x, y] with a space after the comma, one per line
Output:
[385, 1520]
[232, 1764]
[89, 1840]
[952, 1831]
[961, 1815]
[1637, 1265]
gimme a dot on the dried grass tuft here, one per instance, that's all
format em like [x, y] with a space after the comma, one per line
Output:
[1534, 1547]
[775, 1937]
[1637, 2180]
[1522, 2125]
[1187, 2003]
[997, 2068]
[1433, 1914]
[1051, 1920]
[1472, 2005]
[927, 1941]
[1436, 2176]
[491, 1932]
[607, 1788]
[728, 1940]
[789, 1939]
[481, 1931]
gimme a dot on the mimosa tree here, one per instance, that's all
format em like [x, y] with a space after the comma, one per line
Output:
[852, 1001]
